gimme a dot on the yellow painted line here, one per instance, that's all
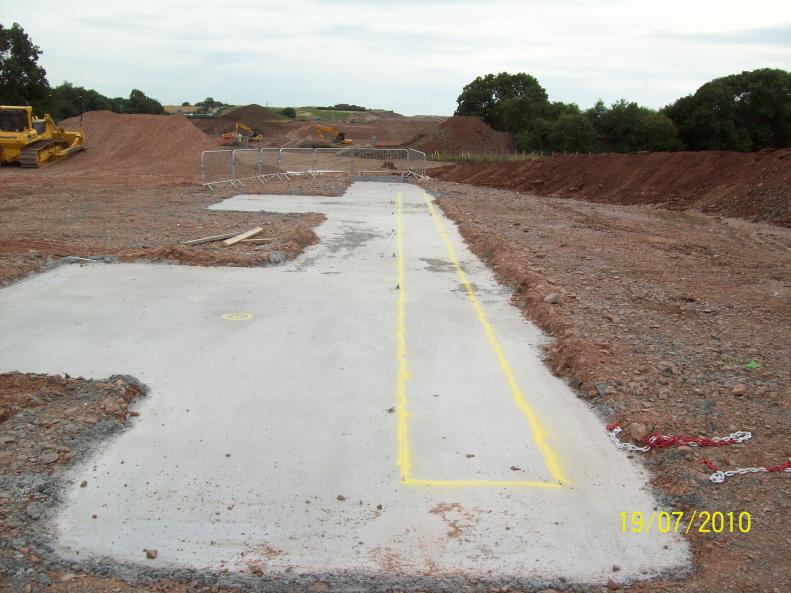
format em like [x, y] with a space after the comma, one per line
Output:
[402, 413]
[538, 432]
[481, 483]
[404, 457]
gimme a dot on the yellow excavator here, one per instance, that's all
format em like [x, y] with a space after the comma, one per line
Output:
[31, 141]
[340, 137]
[241, 135]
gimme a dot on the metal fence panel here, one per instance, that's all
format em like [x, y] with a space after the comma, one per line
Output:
[297, 161]
[246, 163]
[334, 160]
[380, 160]
[230, 167]
[216, 165]
[417, 162]
[270, 161]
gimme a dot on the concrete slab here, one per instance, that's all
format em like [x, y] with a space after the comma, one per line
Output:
[376, 407]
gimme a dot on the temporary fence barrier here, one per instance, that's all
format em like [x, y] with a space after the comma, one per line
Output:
[270, 162]
[220, 168]
[334, 160]
[246, 163]
[416, 160]
[298, 161]
[216, 168]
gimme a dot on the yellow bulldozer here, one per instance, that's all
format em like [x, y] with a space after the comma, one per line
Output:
[340, 137]
[32, 141]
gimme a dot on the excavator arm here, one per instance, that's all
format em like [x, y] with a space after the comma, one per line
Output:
[340, 137]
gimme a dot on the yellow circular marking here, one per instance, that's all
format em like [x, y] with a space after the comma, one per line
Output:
[237, 316]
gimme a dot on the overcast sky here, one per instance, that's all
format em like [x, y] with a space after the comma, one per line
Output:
[410, 56]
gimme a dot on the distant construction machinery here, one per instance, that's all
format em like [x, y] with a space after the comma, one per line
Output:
[31, 141]
[340, 137]
[241, 135]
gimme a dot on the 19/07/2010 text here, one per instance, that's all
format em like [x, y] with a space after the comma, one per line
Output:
[679, 521]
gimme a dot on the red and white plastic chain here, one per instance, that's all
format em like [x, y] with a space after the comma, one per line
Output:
[660, 441]
[718, 477]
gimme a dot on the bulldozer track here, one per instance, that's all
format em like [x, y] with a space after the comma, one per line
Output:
[28, 157]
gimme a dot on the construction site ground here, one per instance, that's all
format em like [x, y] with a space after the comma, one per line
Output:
[414, 458]
[661, 320]
[660, 317]
[142, 225]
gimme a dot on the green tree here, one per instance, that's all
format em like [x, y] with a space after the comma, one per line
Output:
[22, 80]
[67, 100]
[572, 132]
[208, 104]
[659, 133]
[535, 137]
[707, 120]
[289, 112]
[747, 111]
[620, 126]
[505, 101]
[596, 114]
[626, 127]
[138, 102]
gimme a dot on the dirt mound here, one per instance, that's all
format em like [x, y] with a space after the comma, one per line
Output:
[748, 185]
[129, 149]
[254, 115]
[465, 134]
[257, 117]
[214, 126]
[366, 130]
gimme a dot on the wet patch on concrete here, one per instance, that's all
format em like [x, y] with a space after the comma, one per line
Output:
[438, 265]
[350, 239]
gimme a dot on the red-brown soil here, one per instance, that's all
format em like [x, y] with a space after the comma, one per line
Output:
[372, 130]
[214, 126]
[39, 227]
[254, 115]
[750, 185]
[257, 117]
[660, 315]
[464, 134]
[388, 133]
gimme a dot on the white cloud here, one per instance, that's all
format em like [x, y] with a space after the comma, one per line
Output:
[410, 56]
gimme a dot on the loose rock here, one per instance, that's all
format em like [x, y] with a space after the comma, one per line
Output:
[48, 457]
[552, 298]
[638, 431]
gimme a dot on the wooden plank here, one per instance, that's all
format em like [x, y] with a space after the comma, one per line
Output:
[261, 240]
[211, 239]
[244, 235]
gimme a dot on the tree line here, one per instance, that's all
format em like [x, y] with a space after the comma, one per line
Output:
[24, 82]
[343, 107]
[742, 112]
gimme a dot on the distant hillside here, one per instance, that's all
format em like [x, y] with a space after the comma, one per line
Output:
[185, 109]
